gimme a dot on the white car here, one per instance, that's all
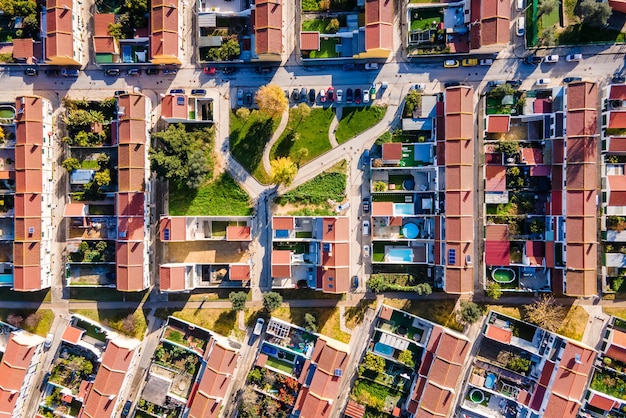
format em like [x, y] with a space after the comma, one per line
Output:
[574, 57]
[543, 81]
[366, 96]
[366, 251]
[342, 207]
[339, 96]
[487, 61]
[48, 342]
[418, 86]
[552, 58]
[371, 66]
[366, 228]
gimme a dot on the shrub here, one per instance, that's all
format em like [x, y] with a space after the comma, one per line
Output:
[272, 301]
[470, 312]
[71, 164]
[238, 300]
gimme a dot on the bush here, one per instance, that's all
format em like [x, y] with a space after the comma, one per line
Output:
[470, 312]
[413, 102]
[71, 164]
[318, 190]
[242, 113]
[272, 301]
[15, 320]
[238, 300]
[380, 186]
[494, 291]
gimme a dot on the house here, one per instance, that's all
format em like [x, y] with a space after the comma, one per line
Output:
[104, 45]
[312, 252]
[490, 28]
[525, 370]
[33, 230]
[63, 32]
[267, 21]
[378, 29]
[164, 27]
[114, 376]
[205, 251]
[20, 355]
[132, 197]
[180, 108]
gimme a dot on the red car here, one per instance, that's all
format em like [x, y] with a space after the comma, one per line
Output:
[210, 70]
[331, 94]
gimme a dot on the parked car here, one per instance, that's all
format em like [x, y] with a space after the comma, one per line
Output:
[552, 58]
[239, 97]
[571, 79]
[119, 92]
[618, 78]
[30, 71]
[248, 98]
[349, 96]
[303, 92]
[373, 91]
[366, 96]
[384, 85]
[418, 86]
[331, 94]
[366, 205]
[451, 63]
[68, 72]
[210, 70]
[133, 72]
[295, 95]
[48, 342]
[521, 26]
[533, 59]
[339, 95]
[520, 5]
[469, 62]
[113, 72]
[486, 61]
[170, 70]
[514, 83]
[322, 96]
[494, 83]
[366, 228]
[543, 81]
[371, 66]
[229, 70]
[357, 96]
[258, 327]
[198, 92]
[342, 207]
[177, 91]
[126, 409]
[152, 71]
[574, 57]
[366, 251]
[366, 158]
[452, 84]
[312, 95]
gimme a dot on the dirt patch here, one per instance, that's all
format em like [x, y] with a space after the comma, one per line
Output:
[291, 209]
[200, 252]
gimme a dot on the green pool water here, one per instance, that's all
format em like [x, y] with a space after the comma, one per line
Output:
[503, 275]
[6, 113]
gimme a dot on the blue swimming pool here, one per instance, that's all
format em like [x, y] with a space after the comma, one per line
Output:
[268, 349]
[422, 152]
[490, 381]
[398, 255]
[383, 349]
[403, 209]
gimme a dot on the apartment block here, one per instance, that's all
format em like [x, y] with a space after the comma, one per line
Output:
[63, 25]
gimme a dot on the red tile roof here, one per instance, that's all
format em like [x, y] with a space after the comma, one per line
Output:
[173, 108]
[392, 151]
[382, 208]
[177, 226]
[617, 92]
[335, 280]
[496, 232]
[238, 233]
[23, 48]
[130, 228]
[26, 278]
[497, 253]
[494, 30]
[378, 24]
[617, 144]
[617, 120]
[14, 367]
[173, 278]
[75, 210]
[129, 203]
[164, 27]
[27, 254]
[281, 264]
[309, 41]
[496, 178]
[239, 272]
[129, 278]
[59, 38]
[283, 223]
[498, 123]
[532, 156]
[131, 156]
[103, 41]
[130, 253]
[268, 16]
[499, 334]
[354, 410]
[601, 402]
[72, 334]
[335, 229]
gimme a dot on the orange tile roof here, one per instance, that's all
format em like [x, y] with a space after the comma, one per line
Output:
[601, 402]
[570, 381]
[130, 228]
[617, 144]
[494, 31]
[28, 181]
[581, 230]
[496, 178]
[26, 278]
[459, 177]
[617, 92]
[309, 41]
[14, 366]
[177, 226]
[354, 410]
[129, 278]
[130, 253]
[131, 156]
[238, 233]
[499, 334]
[26, 254]
[239, 272]
[382, 208]
[378, 24]
[582, 150]
[202, 406]
[335, 229]
[72, 334]
[131, 179]
[281, 272]
[283, 223]
[129, 203]
[560, 407]
[339, 255]
[335, 280]
[617, 120]
[173, 278]
[498, 123]
[75, 210]
[436, 401]
[27, 229]
[173, 108]
[311, 405]
[164, 44]
[268, 27]
[59, 38]
[392, 151]
[222, 359]
[101, 22]
[460, 229]
[281, 257]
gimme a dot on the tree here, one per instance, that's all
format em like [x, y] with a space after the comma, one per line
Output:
[283, 171]
[15, 320]
[71, 164]
[302, 111]
[243, 113]
[546, 7]
[128, 325]
[508, 147]
[502, 90]
[103, 178]
[271, 100]
[494, 291]
[32, 320]
[545, 312]
[101, 245]
[413, 101]
[470, 312]
[373, 362]
[31, 25]
[309, 320]
[380, 186]
[272, 301]
[238, 300]
[83, 246]
[595, 14]
[116, 30]
[423, 289]
[2, 135]
[301, 154]
[333, 26]
[136, 10]
[406, 357]
[249, 403]
[324, 4]
[229, 50]
[548, 36]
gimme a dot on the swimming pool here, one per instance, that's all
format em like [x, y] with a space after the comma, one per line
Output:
[403, 209]
[398, 255]
[503, 275]
[490, 381]
[383, 349]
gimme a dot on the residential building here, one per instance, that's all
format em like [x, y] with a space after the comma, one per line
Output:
[33, 231]
[490, 29]
[311, 252]
[205, 251]
[267, 21]
[180, 108]
[63, 28]
[521, 369]
[164, 27]
[235, 23]
[132, 200]
[613, 201]
[20, 354]
[106, 47]
[108, 391]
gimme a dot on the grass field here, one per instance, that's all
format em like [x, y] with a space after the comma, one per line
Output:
[315, 25]
[439, 311]
[618, 312]
[248, 138]
[113, 318]
[575, 322]
[222, 321]
[327, 320]
[423, 18]
[219, 197]
[310, 133]
[39, 327]
[355, 314]
[327, 48]
[355, 120]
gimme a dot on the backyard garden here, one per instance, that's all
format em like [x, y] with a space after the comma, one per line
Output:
[71, 367]
[355, 120]
[609, 382]
[54, 404]
[268, 394]
[179, 365]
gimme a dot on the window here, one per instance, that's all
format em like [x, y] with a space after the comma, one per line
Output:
[166, 234]
[451, 256]
[330, 279]
[330, 286]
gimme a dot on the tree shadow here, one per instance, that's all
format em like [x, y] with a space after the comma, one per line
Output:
[284, 146]
[248, 151]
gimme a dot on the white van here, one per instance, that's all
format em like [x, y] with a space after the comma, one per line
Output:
[521, 25]
[520, 4]
[366, 228]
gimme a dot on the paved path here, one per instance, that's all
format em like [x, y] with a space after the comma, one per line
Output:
[277, 133]
[333, 127]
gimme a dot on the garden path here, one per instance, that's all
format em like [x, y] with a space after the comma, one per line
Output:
[333, 126]
[277, 133]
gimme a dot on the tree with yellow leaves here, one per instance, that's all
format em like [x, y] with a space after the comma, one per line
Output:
[271, 100]
[283, 171]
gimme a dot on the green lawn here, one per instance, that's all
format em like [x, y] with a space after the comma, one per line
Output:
[583, 34]
[318, 190]
[222, 321]
[220, 197]
[440, 311]
[310, 133]
[552, 19]
[315, 25]
[423, 18]
[355, 120]
[39, 322]
[310, 5]
[326, 319]
[327, 48]
[247, 141]
[118, 320]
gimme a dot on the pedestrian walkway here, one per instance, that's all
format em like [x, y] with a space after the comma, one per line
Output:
[333, 126]
[277, 133]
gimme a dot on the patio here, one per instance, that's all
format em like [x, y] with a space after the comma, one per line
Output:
[203, 252]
